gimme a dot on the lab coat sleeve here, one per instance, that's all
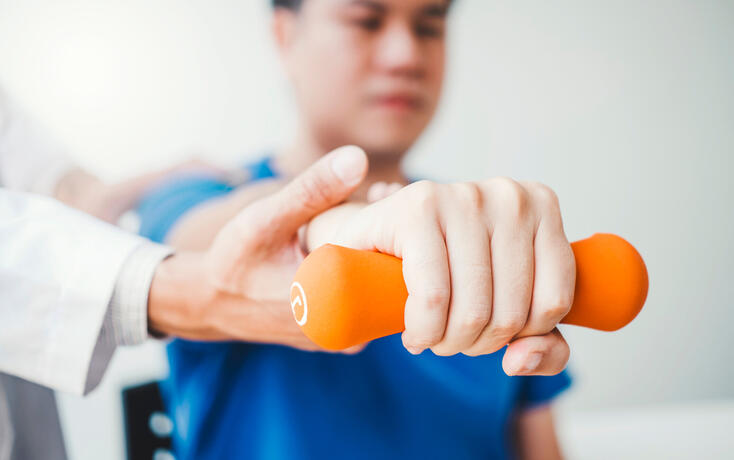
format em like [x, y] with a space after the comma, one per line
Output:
[30, 160]
[126, 320]
[58, 270]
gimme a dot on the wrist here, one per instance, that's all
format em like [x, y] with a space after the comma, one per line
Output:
[179, 297]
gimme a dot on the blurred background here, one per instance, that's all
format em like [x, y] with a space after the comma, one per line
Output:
[625, 108]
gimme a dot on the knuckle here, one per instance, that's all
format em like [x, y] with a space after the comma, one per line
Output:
[552, 314]
[555, 308]
[506, 328]
[436, 299]
[513, 197]
[545, 195]
[422, 189]
[470, 194]
[423, 194]
[474, 320]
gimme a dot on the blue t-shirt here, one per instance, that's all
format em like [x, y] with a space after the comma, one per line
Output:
[241, 400]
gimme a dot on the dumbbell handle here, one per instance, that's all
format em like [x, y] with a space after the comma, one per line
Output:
[343, 297]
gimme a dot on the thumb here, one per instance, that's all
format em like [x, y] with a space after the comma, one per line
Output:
[323, 185]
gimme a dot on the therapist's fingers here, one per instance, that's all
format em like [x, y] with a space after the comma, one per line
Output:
[326, 183]
[537, 355]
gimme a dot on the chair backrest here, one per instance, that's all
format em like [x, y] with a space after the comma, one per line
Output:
[148, 428]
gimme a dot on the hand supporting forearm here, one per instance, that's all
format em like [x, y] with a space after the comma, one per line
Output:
[238, 288]
[179, 297]
[187, 301]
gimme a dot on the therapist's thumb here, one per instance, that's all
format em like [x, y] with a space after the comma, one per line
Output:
[325, 184]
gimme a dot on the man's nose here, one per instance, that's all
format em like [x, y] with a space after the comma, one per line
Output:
[399, 52]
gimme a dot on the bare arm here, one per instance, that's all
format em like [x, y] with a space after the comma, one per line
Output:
[536, 435]
[196, 230]
[237, 289]
[79, 189]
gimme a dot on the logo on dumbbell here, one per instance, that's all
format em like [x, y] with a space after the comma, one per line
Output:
[299, 305]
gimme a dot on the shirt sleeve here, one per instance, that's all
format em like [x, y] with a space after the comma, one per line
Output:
[163, 206]
[536, 391]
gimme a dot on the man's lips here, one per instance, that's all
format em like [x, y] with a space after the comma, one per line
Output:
[398, 101]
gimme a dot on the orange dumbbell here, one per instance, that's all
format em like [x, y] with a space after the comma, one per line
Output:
[343, 297]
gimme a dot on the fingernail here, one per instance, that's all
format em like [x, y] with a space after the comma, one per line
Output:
[532, 362]
[348, 164]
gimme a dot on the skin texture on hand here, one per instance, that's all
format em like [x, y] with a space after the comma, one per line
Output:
[487, 265]
[185, 302]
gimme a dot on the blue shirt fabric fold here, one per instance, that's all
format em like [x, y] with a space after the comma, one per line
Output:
[240, 400]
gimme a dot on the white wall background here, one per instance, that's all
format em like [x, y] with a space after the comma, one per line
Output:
[625, 107]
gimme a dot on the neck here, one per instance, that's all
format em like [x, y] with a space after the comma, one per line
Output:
[305, 151]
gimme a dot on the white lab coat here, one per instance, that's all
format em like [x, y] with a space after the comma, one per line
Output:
[58, 269]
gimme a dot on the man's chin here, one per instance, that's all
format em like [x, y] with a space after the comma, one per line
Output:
[389, 141]
[386, 150]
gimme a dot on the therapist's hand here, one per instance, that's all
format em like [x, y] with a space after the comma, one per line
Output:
[486, 264]
[239, 288]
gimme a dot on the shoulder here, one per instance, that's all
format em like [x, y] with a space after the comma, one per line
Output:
[166, 204]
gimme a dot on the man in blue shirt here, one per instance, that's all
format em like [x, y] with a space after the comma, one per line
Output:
[487, 267]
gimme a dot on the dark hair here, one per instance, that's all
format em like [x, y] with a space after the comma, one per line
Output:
[296, 4]
[288, 4]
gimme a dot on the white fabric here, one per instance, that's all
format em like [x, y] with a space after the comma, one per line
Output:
[127, 315]
[58, 268]
[29, 160]
[71, 289]
[126, 320]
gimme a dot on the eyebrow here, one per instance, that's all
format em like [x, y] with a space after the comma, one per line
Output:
[377, 6]
[436, 9]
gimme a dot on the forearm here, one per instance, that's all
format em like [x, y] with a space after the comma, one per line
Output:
[185, 301]
[82, 190]
[536, 435]
[196, 230]
[177, 294]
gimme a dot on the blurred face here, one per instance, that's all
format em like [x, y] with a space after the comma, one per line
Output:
[365, 72]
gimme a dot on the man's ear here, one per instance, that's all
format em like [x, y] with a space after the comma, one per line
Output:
[283, 29]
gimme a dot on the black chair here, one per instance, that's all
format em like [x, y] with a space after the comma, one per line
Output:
[147, 427]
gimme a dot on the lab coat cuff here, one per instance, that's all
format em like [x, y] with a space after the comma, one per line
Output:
[128, 310]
